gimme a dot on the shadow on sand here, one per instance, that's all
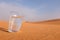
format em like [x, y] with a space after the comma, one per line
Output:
[3, 29]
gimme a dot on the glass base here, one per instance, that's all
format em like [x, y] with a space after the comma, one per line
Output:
[12, 30]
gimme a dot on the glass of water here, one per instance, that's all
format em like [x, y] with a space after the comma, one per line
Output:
[15, 23]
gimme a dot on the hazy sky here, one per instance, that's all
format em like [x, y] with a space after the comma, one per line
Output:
[33, 10]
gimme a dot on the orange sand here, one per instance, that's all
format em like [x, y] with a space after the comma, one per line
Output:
[48, 30]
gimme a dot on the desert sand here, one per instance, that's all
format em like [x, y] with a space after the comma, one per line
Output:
[47, 30]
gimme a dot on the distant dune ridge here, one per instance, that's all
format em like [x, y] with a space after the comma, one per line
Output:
[45, 20]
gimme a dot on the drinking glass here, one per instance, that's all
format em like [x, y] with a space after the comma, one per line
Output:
[15, 22]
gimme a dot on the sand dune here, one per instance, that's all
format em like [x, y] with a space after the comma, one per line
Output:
[47, 30]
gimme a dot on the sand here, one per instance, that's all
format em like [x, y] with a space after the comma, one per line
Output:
[47, 30]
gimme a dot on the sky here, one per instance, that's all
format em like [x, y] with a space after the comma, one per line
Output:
[32, 10]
